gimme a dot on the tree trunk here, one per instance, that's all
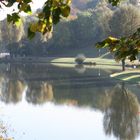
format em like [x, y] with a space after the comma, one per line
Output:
[123, 65]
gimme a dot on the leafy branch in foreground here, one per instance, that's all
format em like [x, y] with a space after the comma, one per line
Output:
[52, 12]
[123, 48]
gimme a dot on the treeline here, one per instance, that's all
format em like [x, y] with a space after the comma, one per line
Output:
[94, 21]
[93, 25]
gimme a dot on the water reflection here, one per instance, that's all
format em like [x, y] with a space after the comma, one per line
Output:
[39, 92]
[122, 114]
[80, 68]
[11, 91]
[117, 102]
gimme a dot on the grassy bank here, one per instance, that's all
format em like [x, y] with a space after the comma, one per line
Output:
[98, 61]
[129, 76]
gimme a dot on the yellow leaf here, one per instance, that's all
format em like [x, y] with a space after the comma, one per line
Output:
[55, 3]
[18, 23]
[68, 2]
[41, 27]
[23, 6]
[112, 38]
[41, 15]
[33, 27]
[18, 0]
[50, 20]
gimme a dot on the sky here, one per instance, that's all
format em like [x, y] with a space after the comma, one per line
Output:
[35, 5]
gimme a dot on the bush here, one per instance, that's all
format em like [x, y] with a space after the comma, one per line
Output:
[80, 59]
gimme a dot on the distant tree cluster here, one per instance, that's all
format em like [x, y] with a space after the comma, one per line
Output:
[92, 24]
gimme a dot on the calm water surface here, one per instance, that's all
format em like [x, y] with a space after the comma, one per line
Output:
[40, 102]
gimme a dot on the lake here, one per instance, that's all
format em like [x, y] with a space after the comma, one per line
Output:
[45, 102]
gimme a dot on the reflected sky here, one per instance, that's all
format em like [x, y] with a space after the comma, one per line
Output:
[53, 122]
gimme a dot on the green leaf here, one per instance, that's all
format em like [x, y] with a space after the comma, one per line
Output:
[114, 2]
[28, 10]
[18, 23]
[10, 3]
[132, 58]
[14, 18]
[65, 11]
[30, 34]
[56, 15]
[27, 1]
[33, 27]
[9, 18]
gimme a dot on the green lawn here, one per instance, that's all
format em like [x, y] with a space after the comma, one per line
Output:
[98, 61]
[130, 76]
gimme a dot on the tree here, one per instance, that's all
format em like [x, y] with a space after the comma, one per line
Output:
[125, 20]
[134, 2]
[13, 33]
[104, 15]
[92, 3]
[123, 48]
[125, 31]
[63, 39]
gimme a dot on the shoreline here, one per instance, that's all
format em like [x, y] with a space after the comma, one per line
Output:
[66, 60]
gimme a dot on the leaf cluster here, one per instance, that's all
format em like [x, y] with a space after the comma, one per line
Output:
[52, 12]
[114, 2]
[125, 47]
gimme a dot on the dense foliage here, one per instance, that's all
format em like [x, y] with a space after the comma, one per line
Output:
[125, 43]
[52, 12]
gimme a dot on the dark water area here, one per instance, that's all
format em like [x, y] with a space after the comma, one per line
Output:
[45, 102]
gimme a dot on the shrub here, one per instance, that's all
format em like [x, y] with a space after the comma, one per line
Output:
[80, 59]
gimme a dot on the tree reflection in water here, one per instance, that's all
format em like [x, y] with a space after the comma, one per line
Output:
[11, 90]
[39, 92]
[121, 116]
